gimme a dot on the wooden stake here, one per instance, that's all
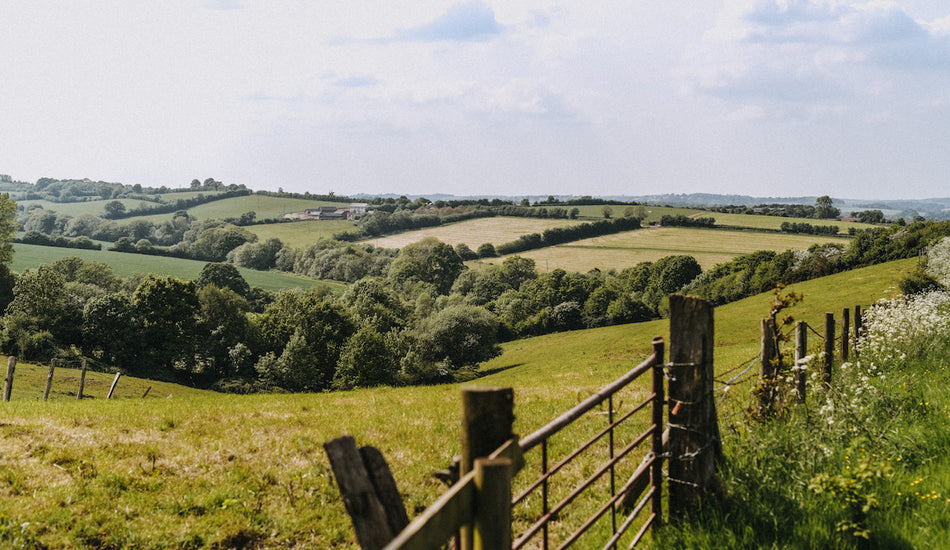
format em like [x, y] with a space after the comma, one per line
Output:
[114, 382]
[8, 386]
[858, 326]
[768, 366]
[829, 345]
[49, 379]
[359, 495]
[82, 379]
[845, 334]
[801, 349]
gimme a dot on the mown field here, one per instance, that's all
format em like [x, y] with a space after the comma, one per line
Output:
[262, 205]
[496, 230]
[225, 471]
[301, 234]
[79, 208]
[27, 256]
[622, 250]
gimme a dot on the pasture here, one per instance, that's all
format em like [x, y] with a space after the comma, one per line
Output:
[228, 470]
[623, 250]
[96, 208]
[27, 256]
[495, 230]
[262, 205]
[301, 234]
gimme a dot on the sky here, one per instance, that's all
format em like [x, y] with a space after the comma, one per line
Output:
[509, 98]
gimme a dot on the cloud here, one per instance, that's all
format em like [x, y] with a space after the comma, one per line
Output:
[356, 82]
[467, 22]
[810, 51]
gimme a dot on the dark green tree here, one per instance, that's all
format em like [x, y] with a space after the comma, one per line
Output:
[427, 261]
[458, 336]
[222, 275]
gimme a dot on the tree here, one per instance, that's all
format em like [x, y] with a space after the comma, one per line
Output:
[222, 325]
[824, 208]
[427, 261]
[114, 209]
[458, 336]
[607, 211]
[487, 250]
[7, 227]
[110, 330]
[222, 275]
[168, 308]
[365, 361]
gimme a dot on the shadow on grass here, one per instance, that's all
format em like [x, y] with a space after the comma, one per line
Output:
[469, 375]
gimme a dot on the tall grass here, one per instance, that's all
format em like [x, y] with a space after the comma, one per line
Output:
[862, 464]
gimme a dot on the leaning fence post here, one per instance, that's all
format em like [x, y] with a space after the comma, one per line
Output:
[492, 523]
[49, 379]
[487, 417]
[114, 382]
[829, 345]
[801, 349]
[656, 472]
[82, 379]
[8, 386]
[767, 366]
[695, 445]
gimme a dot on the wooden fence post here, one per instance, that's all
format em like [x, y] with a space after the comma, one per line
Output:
[829, 345]
[695, 445]
[114, 382]
[487, 417]
[49, 379]
[801, 349]
[360, 497]
[8, 386]
[845, 336]
[82, 379]
[767, 367]
[492, 524]
[858, 325]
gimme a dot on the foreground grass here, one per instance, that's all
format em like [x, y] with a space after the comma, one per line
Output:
[28, 256]
[623, 250]
[219, 471]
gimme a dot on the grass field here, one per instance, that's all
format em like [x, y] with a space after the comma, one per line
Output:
[775, 222]
[224, 470]
[262, 205]
[497, 230]
[652, 213]
[301, 234]
[622, 250]
[28, 256]
[79, 208]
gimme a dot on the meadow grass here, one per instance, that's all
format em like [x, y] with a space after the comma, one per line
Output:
[301, 234]
[79, 208]
[627, 249]
[262, 205]
[215, 471]
[27, 256]
[775, 222]
[495, 230]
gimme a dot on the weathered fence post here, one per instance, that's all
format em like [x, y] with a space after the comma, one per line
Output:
[148, 389]
[359, 482]
[8, 386]
[695, 445]
[767, 367]
[858, 325]
[845, 336]
[801, 349]
[82, 379]
[114, 382]
[49, 379]
[656, 472]
[492, 524]
[487, 417]
[829, 345]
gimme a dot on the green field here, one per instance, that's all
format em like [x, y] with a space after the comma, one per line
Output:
[301, 234]
[622, 250]
[652, 213]
[28, 256]
[262, 205]
[225, 470]
[79, 208]
[496, 230]
[775, 222]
